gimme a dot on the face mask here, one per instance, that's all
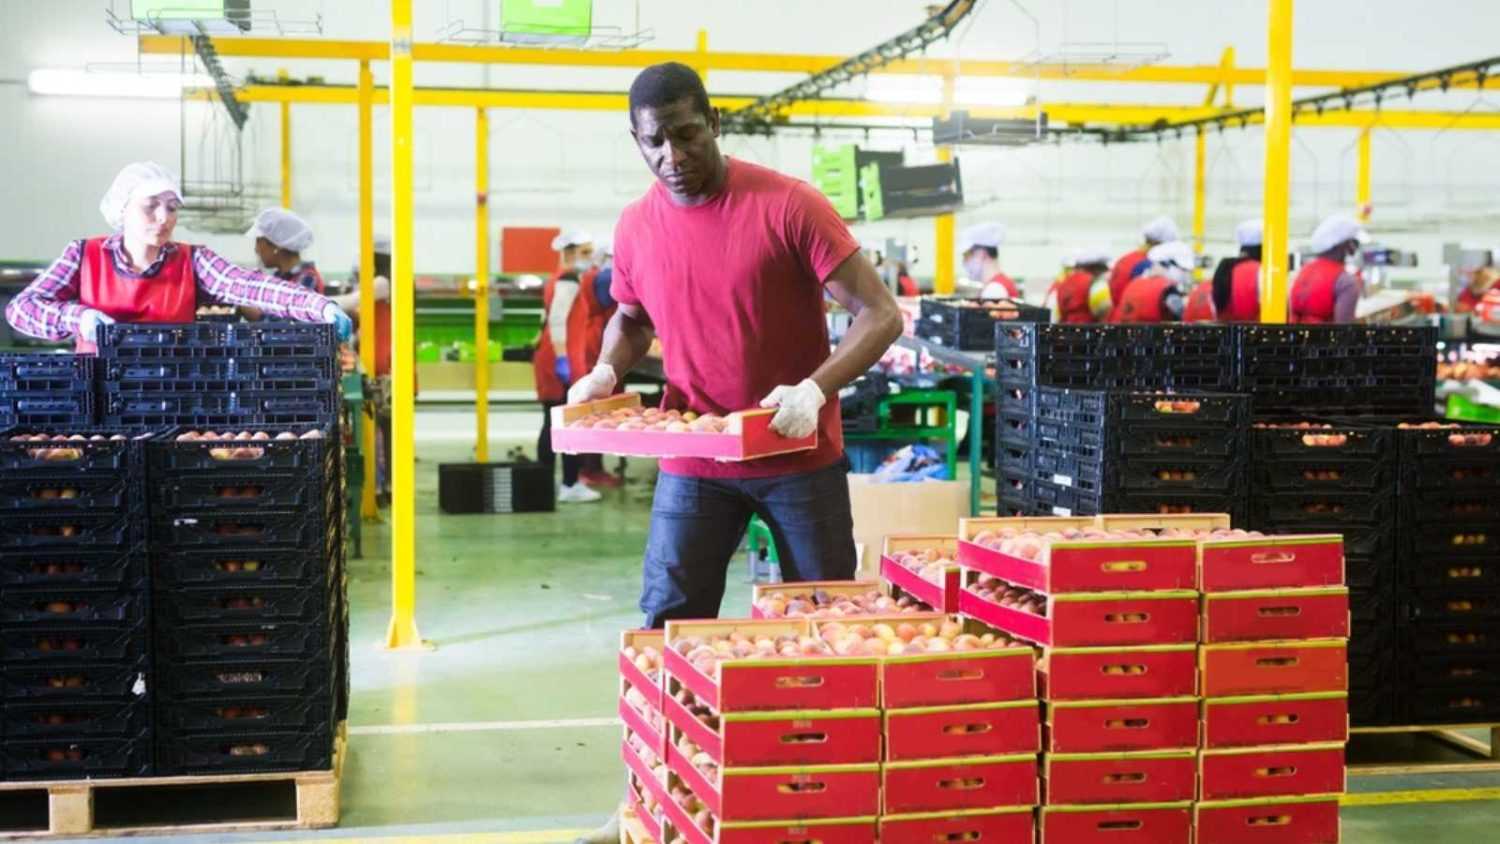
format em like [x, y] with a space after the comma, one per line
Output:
[974, 268]
[582, 265]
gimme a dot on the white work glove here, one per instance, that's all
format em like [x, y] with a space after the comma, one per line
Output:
[89, 322]
[799, 406]
[598, 384]
[341, 322]
[382, 288]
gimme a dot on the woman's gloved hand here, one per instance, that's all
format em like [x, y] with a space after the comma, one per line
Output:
[341, 322]
[89, 322]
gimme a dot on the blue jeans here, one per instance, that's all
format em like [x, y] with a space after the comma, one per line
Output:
[697, 525]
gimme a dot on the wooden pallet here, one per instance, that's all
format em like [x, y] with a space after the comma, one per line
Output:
[1485, 756]
[70, 803]
[632, 831]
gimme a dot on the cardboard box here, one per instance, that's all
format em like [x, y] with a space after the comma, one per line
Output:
[1087, 565]
[1287, 770]
[1276, 720]
[1271, 668]
[1162, 776]
[747, 435]
[941, 595]
[958, 677]
[814, 682]
[1118, 726]
[1276, 614]
[1278, 820]
[975, 729]
[812, 737]
[823, 831]
[769, 794]
[974, 782]
[1093, 618]
[649, 724]
[1147, 823]
[1273, 562]
[650, 782]
[882, 509]
[1006, 825]
[1147, 671]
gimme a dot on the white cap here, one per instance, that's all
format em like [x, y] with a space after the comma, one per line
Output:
[1085, 257]
[142, 178]
[1336, 229]
[990, 235]
[1174, 254]
[1248, 233]
[382, 243]
[570, 238]
[1160, 230]
[283, 229]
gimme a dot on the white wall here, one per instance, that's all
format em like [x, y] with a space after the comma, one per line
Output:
[565, 168]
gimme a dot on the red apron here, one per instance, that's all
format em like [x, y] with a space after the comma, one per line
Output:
[1200, 304]
[1119, 277]
[1142, 302]
[1073, 297]
[1004, 281]
[1315, 291]
[544, 363]
[1244, 293]
[169, 296]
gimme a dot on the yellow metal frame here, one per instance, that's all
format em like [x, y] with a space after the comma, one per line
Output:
[944, 276]
[1362, 207]
[1200, 209]
[286, 148]
[367, 506]
[1278, 117]
[481, 286]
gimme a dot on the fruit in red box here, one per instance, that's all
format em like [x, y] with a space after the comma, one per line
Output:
[881, 640]
[822, 604]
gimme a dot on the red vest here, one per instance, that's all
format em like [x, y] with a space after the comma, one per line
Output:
[1073, 297]
[1315, 290]
[1142, 302]
[169, 296]
[1119, 277]
[1200, 304]
[586, 321]
[1004, 281]
[1244, 295]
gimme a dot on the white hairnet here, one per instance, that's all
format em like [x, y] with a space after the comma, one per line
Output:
[382, 243]
[984, 234]
[1088, 256]
[142, 178]
[282, 228]
[1160, 230]
[571, 238]
[1335, 229]
[1248, 233]
[1172, 254]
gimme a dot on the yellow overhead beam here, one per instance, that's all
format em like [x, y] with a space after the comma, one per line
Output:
[799, 63]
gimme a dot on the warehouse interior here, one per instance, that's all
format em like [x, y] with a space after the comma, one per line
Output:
[467, 154]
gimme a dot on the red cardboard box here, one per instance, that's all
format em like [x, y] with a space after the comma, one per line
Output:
[823, 831]
[1109, 726]
[1146, 671]
[1144, 823]
[747, 436]
[975, 729]
[1159, 521]
[814, 682]
[809, 737]
[833, 588]
[958, 677]
[941, 595]
[1006, 825]
[1158, 776]
[1278, 820]
[768, 794]
[1288, 770]
[1276, 614]
[1273, 562]
[652, 785]
[1269, 668]
[1093, 618]
[631, 673]
[1083, 565]
[638, 825]
[975, 782]
[1276, 720]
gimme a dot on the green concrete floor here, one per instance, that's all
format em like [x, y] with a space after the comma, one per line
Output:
[472, 742]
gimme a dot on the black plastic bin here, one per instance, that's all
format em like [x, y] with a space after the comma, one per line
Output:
[495, 488]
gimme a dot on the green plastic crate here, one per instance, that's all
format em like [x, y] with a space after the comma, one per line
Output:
[1465, 409]
[835, 173]
[539, 21]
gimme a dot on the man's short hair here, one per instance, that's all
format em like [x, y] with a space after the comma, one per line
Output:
[663, 84]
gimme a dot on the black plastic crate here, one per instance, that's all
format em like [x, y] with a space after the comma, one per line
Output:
[1450, 475]
[1334, 474]
[124, 717]
[310, 530]
[86, 645]
[1176, 440]
[1461, 672]
[1283, 510]
[1477, 637]
[244, 641]
[79, 530]
[1473, 704]
[68, 758]
[237, 370]
[68, 682]
[1276, 441]
[70, 607]
[1180, 409]
[1015, 426]
[63, 567]
[495, 488]
[1449, 573]
[221, 604]
[1373, 707]
[108, 493]
[1464, 441]
[228, 715]
[1373, 607]
[1449, 541]
[1081, 408]
[1056, 500]
[241, 566]
[1006, 507]
[1084, 441]
[1015, 457]
[1014, 485]
[243, 753]
[63, 410]
[169, 455]
[1178, 474]
[1368, 571]
[1449, 606]
[242, 408]
[1177, 503]
[969, 324]
[1065, 469]
[115, 453]
[1454, 508]
[1017, 399]
[228, 491]
[305, 678]
[120, 340]
[132, 389]
[46, 372]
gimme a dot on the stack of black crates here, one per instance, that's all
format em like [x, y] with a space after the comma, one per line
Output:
[969, 324]
[47, 390]
[1365, 370]
[74, 606]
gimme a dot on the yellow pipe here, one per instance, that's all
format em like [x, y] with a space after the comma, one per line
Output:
[286, 148]
[1362, 177]
[702, 64]
[482, 286]
[1199, 191]
[943, 276]
[1273, 282]
[367, 506]
[402, 633]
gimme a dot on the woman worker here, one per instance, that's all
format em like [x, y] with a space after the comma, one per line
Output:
[139, 274]
[1236, 284]
[563, 351]
[280, 239]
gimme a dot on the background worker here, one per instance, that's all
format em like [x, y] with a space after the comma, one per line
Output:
[1324, 290]
[563, 351]
[139, 274]
[378, 383]
[1157, 296]
[1481, 278]
[1136, 262]
[980, 248]
[1082, 294]
[280, 239]
[1236, 284]
[1199, 306]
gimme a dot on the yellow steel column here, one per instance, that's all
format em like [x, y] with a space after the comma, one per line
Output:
[1362, 178]
[942, 227]
[402, 633]
[367, 509]
[482, 286]
[286, 148]
[1273, 270]
[1199, 191]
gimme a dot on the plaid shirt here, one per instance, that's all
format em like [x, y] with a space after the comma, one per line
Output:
[49, 308]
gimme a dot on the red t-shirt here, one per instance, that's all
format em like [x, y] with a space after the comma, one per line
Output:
[735, 290]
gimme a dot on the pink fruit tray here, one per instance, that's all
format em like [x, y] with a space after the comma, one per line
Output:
[746, 435]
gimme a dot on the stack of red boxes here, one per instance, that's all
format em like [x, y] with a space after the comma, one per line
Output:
[1117, 619]
[644, 746]
[1274, 670]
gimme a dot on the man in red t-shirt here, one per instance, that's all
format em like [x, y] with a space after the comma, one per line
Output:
[728, 263]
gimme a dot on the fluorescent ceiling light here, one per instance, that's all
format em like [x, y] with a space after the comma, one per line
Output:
[990, 91]
[67, 82]
[926, 90]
